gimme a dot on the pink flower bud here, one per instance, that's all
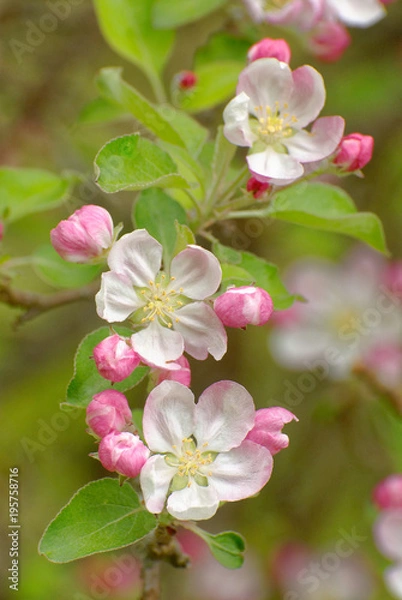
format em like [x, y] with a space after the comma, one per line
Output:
[108, 412]
[257, 188]
[84, 236]
[1, 230]
[124, 453]
[354, 151]
[242, 306]
[269, 48]
[267, 430]
[186, 80]
[388, 493]
[115, 359]
[181, 375]
[329, 41]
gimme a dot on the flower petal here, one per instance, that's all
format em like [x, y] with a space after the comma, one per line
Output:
[158, 345]
[202, 331]
[308, 96]
[138, 256]
[325, 136]
[358, 13]
[388, 533]
[197, 271]
[168, 416]
[267, 429]
[193, 503]
[237, 121]
[393, 580]
[270, 165]
[116, 299]
[266, 81]
[224, 415]
[241, 472]
[155, 478]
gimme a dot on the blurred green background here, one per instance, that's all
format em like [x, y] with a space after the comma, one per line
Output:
[340, 448]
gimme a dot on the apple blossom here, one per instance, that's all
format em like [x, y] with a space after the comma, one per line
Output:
[267, 429]
[165, 306]
[388, 493]
[357, 13]
[384, 360]
[108, 412]
[329, 40]
[182, 374]
[393, 278]
[270, 48]
[242, 306]
[115, 358]
[301, 14]
[85, 236]
[201, 456]
[354, 152]
[123, 452]
[346, 313]
[281, 104]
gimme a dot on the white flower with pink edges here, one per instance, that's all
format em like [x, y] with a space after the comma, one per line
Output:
[201, 456]
[270, 113]
[166, 306]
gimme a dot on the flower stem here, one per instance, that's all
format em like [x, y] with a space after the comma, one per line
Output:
[151, 579]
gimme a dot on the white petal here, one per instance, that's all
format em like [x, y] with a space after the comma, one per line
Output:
[138, 256]
[223, 416]
[193, 503]
[308, 96]
[157, 344]
[116, 299]
[266, 81]
[197, 271]
[202, 331]
[269, 165]
[388, 533]
[155, 478]
[358, 13]
[241, 472]
[324, 138]
[393, 580]
[168, 416]
[237, 121]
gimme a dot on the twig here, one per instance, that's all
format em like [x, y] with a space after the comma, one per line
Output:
[35, 303]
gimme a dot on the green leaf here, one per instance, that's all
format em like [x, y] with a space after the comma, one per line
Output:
[184, 237]
[27, 191]
[127, 27]
[234, 275]
[264, 274]
[168, 123]
[86, 381]
[55, 271]
[216, 83]
[114, 89]
[329, 208]
[101, 110]
[224, 152]
[169, 15]
[222, 46]
[227, 547]
[131, 162]
[101, 516]
[157, 212]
